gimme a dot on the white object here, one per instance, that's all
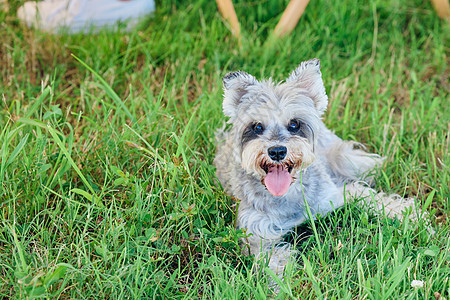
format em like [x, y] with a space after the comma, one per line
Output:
[82, 15]
[417, 284]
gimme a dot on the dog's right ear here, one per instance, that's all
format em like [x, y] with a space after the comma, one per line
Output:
[235, 85]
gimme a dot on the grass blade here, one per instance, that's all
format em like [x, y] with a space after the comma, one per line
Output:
[109, 91]
[17, 150]
[38, 101]
[66, 153]
[72, 163]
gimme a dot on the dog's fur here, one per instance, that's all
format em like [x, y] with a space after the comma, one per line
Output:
[323, 168]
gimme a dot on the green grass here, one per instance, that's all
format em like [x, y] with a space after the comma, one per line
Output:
[107, 142]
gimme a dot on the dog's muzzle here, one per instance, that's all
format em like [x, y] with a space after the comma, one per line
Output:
[278, 169]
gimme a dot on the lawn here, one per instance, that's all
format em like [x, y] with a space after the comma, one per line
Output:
[107, 187]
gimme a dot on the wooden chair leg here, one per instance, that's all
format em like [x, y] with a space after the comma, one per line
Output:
[226, 8]
[290, 17]
[442, 8]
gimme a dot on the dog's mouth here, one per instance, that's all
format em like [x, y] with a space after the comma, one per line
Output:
[278, 177]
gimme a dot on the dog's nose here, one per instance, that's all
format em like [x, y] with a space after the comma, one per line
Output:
[277, 153]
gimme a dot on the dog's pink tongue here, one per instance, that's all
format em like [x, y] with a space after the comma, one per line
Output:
[277, 181]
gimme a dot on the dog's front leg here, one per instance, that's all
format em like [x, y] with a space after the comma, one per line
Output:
[273, 250]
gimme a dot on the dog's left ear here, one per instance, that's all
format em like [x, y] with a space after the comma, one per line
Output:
[308, 76]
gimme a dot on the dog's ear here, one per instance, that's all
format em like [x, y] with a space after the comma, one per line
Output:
[235, 85]
[308, 76]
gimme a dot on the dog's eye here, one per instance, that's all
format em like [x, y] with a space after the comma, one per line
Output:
[293, 126]
[258, 128]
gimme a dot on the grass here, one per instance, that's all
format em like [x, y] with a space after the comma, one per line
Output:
[107, 142]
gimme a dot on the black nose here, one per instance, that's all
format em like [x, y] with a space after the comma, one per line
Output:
[277, 153]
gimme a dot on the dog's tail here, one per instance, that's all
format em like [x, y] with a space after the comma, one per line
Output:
[349, 162]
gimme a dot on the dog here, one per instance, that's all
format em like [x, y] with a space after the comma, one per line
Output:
[280, 160]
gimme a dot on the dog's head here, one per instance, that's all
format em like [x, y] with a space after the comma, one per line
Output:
[274, 125]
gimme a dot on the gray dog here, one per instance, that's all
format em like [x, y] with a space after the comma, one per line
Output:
[278, 157]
